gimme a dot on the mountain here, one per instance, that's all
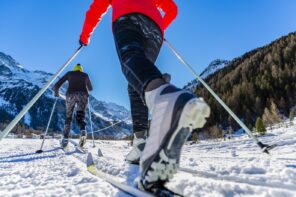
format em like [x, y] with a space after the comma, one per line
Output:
[212, 68]
[260, 83]
[18, 85]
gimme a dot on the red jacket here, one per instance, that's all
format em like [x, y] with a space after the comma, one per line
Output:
[123, 7]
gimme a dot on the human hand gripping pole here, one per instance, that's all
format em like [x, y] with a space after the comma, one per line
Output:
[82, 43]
[265, 148]
[9, 127]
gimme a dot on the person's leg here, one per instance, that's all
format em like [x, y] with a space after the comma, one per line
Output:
[130, 41]
[139, 113]
[82, 101]
[175, 112]
[70, 104]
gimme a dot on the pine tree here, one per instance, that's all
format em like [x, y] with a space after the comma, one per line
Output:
[271, 115]
[260, 128]
[291, 116]
[194, 136]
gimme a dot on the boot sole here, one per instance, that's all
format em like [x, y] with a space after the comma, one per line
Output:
[166, 161]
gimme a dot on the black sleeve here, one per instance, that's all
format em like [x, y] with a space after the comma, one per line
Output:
[89, 85]
[60, 82]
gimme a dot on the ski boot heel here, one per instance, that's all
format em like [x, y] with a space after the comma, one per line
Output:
[64, 143]
[194, 114]
[83, 138]
[166, 163]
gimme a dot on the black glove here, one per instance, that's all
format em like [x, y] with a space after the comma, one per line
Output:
[81, 43]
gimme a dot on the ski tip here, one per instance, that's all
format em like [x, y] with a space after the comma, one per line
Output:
[89, 160]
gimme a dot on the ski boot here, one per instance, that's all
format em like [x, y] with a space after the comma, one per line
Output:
[64, 142]
[134, 155]
[83, 138]
[175, 113]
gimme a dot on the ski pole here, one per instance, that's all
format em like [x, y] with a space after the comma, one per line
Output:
[91, 127]
[45, 134]
[9, 127]
[265, 148]
[112, 125]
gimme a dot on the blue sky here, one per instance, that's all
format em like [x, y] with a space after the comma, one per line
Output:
[41, 35]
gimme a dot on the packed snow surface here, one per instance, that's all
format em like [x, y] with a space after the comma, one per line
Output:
[234, 167]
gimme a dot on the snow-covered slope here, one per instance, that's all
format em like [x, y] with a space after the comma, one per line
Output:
[213, 67]
[18, 85]
[218, 168]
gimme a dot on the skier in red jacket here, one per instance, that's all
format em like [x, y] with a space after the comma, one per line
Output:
[138, 29]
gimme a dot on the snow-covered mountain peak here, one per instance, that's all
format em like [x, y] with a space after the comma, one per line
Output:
[213, 67]
[8, 61]
[18, 85]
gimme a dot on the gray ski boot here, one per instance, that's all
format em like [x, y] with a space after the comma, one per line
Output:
[134, 155]
[64, 142]
[83, 138]
[175, 113]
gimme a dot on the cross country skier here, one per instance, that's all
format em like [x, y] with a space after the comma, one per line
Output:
[77, 94]
[138, 29]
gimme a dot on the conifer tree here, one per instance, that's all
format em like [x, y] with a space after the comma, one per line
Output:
[291, 117]
[260, 128]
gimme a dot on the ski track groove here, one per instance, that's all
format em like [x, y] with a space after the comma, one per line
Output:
[255, 183]
[81, 162]
[215, 177]
[230, 168]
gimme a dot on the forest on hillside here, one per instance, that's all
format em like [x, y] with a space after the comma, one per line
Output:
[261, 83]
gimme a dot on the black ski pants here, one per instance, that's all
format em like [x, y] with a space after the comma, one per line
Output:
[80, 99]
[138, 40]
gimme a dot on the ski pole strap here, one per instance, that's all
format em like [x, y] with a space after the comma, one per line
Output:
[10, 126]
[264, 147]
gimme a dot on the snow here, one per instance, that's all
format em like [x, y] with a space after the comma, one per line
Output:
[51, 173]
[3, 102]
[212, 68]
[27, 118]
[100, 116]
[235, 167]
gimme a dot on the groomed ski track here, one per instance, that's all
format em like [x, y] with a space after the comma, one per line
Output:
[217, 168]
